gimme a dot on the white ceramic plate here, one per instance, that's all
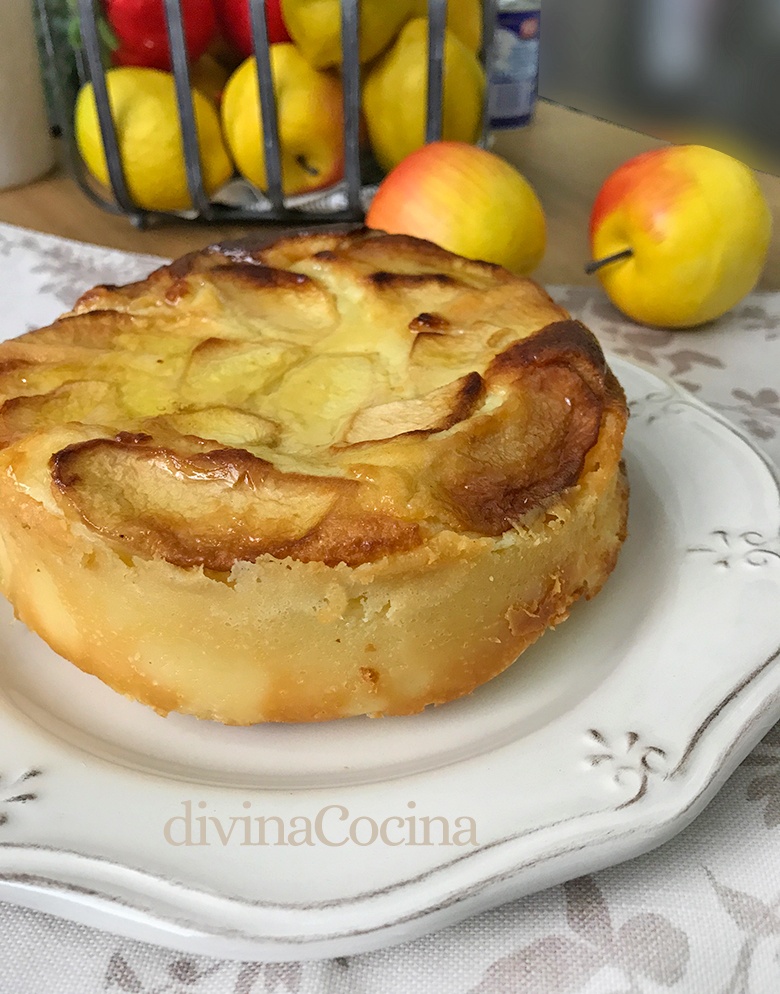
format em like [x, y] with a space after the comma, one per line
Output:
[605, 740]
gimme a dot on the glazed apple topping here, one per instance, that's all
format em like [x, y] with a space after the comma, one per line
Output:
[333, 398]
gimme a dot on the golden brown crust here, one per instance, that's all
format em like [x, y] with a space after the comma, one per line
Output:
[523, 458]
[342, 402]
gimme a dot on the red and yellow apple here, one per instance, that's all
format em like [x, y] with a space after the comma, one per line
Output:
[465, 199]
[697, 227]
[310, 119]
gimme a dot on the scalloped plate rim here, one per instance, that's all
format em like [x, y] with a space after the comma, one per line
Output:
[711, 762]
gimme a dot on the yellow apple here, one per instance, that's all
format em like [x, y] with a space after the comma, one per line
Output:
[464, 18]
[465, 199]
[694, 227]
[310, 117]
[395, 94]
[315, 27]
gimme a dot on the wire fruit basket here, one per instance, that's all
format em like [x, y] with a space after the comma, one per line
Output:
[344, 201]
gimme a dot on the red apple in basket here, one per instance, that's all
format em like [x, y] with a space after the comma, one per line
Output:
[140, 28]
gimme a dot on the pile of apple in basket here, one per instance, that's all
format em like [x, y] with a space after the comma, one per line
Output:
[678, 235]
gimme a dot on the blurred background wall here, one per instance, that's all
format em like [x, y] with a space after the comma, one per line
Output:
[691, 70]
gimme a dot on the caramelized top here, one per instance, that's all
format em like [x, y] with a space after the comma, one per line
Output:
[330, 397]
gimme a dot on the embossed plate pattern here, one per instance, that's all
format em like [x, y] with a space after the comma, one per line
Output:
[605, 740]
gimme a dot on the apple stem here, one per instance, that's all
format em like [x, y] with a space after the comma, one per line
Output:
[591, 267]
[303, 163]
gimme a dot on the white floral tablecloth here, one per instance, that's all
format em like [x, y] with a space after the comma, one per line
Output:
[701, 915]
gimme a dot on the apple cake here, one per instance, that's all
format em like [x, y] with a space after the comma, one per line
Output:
[346, 473]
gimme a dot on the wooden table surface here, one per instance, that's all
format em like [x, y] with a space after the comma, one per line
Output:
[565, 154]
